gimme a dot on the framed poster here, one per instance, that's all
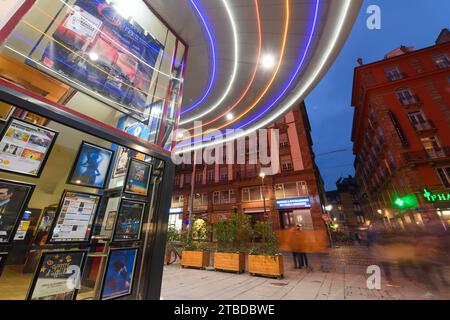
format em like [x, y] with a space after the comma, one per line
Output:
[137, 180]
[129, 221]
[57, 276]
[122, 159]
[119, 275]
[92, 166]
[6, 110]
[14, 198]
[3, 256]
[109, 224]
[75, 217]
[25, 147]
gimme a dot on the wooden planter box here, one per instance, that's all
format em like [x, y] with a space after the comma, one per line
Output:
[266, 265]
[229, 262]
[196, 259]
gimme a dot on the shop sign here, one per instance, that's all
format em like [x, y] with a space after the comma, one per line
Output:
[294, 203]
[176, 210]
[435, 197]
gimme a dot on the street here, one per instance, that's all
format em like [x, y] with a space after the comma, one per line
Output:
[343, 278]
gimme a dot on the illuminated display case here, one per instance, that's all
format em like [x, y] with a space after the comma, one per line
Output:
[90, 95]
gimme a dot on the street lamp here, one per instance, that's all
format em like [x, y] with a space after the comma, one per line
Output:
[262, 175]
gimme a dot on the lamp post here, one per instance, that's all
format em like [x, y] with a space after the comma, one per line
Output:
[262, 175]
[328, 209]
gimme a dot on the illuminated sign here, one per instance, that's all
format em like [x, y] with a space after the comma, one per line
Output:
[294, 203]
[435, 197]
[176, 210]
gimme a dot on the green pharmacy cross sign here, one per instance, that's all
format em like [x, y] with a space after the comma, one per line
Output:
[435, 197]
[406, 202]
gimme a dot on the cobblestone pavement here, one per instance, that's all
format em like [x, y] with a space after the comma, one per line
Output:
[339, 275]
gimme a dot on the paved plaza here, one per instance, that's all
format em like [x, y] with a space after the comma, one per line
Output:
[341, 275]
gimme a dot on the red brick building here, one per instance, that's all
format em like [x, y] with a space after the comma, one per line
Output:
[401, 134]
[294, 195]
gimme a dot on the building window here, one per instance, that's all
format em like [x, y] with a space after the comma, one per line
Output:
[200, 200]
[444, 174]
[291, 190]
[210, 176]
[432, 147]
[223, 174]
[176, 181]
[442, 60]
[393, 74]
[419, 121]
[286, 163]
[406, 97]
[284, 140]
[224, 197]
[250, 170]
[253, 194]
[187, 179]
[199, 177]
[178, 201]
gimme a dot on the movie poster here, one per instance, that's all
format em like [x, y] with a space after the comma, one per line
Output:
[3, 256]
[91, 168]
[118, 279]
[75, 217]
[129, 221]
[24, 147]
[57, 276]
[105, 52]
[138, 177]
[14, 197]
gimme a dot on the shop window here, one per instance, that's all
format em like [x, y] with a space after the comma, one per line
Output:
[177, 201]
[296, 219]
[444, 174]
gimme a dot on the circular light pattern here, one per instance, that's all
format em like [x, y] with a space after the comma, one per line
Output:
[213, 60]
[306, 85]
[274, 75]
[258, 58]
[233, 74]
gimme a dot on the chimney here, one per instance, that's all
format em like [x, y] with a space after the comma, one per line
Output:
[360, 61]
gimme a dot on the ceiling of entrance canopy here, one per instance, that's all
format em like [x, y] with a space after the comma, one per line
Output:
[249, 61]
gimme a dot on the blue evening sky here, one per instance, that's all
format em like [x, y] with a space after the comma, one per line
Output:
[404, 22]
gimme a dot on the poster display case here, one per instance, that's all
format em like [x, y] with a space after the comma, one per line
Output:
[93, 94]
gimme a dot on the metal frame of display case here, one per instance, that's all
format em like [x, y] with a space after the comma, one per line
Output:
[154, 246]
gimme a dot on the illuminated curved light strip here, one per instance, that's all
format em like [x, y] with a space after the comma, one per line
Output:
[235, 67]
[300, 94]
[294, 75]
[231, 108]
[213, 53]
[272, 79]
[119, 45]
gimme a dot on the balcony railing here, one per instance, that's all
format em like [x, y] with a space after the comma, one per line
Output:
[424, 126]
[425, 155]
[410, 101]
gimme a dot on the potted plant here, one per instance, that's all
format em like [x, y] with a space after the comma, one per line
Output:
[195, 251]
[265, 258]
[232, 238]
[172, 237]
